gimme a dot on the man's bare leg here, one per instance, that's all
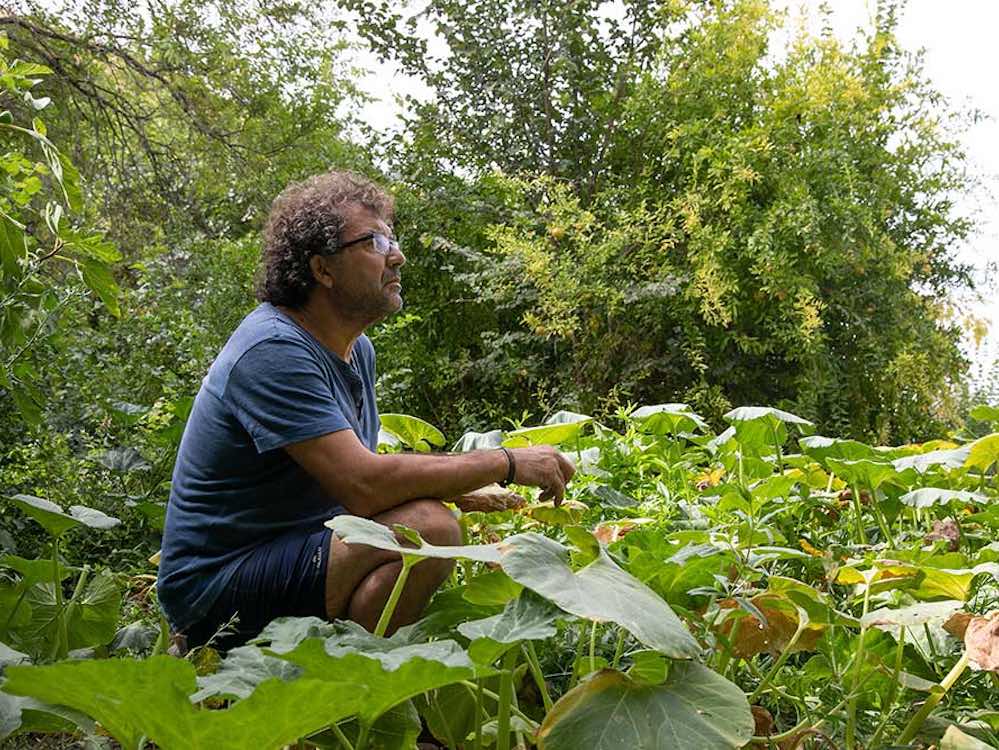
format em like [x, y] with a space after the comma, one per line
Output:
[359, 578]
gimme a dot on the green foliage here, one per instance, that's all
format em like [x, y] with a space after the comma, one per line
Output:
[695, 217]
[42, 238]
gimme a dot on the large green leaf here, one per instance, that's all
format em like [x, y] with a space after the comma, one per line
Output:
[560, 428]
[92, 615]
[914, 615]
[391, 671]
[357, 530]
[955, 739]
[924, 582]
[133, 699]
[820, 448]
[241, 671]
[56, 521]
[472, 441]
[667, 419]
[20, 714]
[491, 588]
[34, 571]
[983, 452]
[694, 709]
[528, 617]
[601, 591]
[761, 426]
[930, 496]
[413, 431]
[950, 458]
[863, 471]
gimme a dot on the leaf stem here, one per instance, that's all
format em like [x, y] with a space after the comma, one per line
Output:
[539, 678]
[934, 698]
[593, 647]
[855, 496]
[490, 694]
[408, 561]
[802, 624]
[893, 690]
[619, 648]
[505, 699]
[479, 710]
[851, 708]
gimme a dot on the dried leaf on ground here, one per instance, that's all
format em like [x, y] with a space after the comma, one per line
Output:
[489, 499]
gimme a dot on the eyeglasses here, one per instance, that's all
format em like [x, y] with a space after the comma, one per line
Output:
[383, 244]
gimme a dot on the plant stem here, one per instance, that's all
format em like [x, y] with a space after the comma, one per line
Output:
[619, 648]
[383, 622]
[861, 533]
[593, 647]
[539, 678]
[914, 725]
[851, 708]
[505, 699]
[478, 716]
[780, 454]
[802, 624]
[893, 690]
[362, 736]
[61, 645]
[490, 694]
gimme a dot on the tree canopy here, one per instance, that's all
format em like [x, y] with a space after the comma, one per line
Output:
[601, 204]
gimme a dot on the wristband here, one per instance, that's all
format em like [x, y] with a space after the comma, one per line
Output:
[511, 468]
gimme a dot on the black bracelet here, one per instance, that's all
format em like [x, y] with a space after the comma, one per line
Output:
[511, 468]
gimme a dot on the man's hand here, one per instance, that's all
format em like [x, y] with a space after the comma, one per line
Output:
[543, 466]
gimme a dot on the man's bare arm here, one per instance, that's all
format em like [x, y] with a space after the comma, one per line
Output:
[367, 483]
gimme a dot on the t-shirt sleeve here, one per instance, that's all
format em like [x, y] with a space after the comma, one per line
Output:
[280, 395]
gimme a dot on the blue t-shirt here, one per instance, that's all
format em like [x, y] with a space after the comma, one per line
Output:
[234, 487]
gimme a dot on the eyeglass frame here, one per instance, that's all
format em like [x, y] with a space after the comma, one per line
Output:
[391, 243]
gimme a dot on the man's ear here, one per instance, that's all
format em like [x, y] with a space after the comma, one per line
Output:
[320, 271]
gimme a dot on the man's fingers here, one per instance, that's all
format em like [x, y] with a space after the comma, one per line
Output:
[565, 467]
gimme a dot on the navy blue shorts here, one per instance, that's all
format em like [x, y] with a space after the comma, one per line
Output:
[285, 577]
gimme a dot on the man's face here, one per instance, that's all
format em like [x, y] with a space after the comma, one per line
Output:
[367, 284]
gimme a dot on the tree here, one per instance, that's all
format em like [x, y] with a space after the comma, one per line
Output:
[732, 227]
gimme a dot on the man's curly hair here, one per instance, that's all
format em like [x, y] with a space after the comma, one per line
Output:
[305, 220]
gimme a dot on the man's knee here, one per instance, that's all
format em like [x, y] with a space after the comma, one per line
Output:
[435, 522]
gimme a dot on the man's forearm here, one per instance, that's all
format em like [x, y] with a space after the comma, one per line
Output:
[396, 478]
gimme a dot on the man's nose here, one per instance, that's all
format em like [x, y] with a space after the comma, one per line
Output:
[396, 259]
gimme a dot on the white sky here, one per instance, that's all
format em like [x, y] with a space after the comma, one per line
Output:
[961, 58]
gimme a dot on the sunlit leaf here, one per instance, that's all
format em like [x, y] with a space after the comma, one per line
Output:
[927, 497]
[667, 419]
[561, 428]
[414, 432]
[983, 452]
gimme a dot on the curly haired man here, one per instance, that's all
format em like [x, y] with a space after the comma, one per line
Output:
[283, 436]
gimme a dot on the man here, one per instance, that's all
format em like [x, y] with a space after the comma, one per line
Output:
[283, 436]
